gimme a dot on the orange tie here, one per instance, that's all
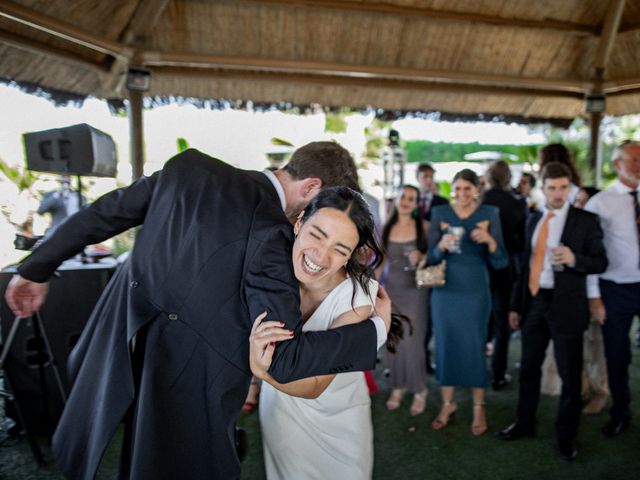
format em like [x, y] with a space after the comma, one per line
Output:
[538, 255]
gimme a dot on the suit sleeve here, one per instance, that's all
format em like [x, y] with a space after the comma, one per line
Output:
[593, 259]
[111, 214]
[271, 285]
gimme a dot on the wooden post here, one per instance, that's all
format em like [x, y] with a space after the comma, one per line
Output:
[136, 134]
[594, 143]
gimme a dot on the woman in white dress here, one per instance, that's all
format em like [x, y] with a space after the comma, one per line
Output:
[320, 427]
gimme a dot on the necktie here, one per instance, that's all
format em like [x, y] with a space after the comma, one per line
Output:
[423, 204]
[636, 207]
[539, 252]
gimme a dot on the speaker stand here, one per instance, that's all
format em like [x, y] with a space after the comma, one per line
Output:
[38, 332]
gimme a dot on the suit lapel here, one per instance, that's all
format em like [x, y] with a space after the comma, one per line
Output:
[568, 225]
[534, 218]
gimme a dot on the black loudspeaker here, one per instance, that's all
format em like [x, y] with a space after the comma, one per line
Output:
[68, 306]
[75, 150]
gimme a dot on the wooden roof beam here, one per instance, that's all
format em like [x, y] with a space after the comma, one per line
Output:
[29, 45]
[391, 83]
[189, 60]
[61, 29]
[383, 8]
[608, 36]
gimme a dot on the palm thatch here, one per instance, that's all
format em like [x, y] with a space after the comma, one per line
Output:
[517, 59]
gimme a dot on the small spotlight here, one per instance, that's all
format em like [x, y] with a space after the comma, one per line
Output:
[138, 79]
[595, 103]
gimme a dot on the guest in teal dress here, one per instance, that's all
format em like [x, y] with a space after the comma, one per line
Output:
[469, 237]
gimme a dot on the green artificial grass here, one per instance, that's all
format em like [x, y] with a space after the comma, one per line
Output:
[407, 448]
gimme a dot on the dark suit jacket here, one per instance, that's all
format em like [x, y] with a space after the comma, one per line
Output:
[214, 251]
[435, 201]
[569, 305]
[513, 216]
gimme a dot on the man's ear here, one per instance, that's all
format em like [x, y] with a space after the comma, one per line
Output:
[311, 187]
[298, 225]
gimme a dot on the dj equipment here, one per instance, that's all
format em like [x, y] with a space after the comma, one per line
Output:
[76, 150]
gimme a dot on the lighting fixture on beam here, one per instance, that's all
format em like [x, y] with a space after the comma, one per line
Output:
[596, 103]
[138, 79]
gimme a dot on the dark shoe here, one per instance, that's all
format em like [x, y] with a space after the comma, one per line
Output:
[501, 383]
[431, 368]
[614, 427]
[567, 450]
[515, 431]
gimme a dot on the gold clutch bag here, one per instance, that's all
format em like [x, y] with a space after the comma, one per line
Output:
[432, 276]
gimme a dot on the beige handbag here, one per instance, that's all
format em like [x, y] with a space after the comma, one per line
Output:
[432, 276]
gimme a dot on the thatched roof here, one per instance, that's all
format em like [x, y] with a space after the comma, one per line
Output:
[523, 59]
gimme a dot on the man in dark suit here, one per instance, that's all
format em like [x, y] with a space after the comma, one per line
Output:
[563, 244]
[428, 199]
[513, 215]
[167, 345]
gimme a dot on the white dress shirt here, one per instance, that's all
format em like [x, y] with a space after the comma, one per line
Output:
[556, 226]
[617, 218]
[381, 329]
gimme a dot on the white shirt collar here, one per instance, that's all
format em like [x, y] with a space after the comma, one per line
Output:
[276, 184]
[622, 188]
[560, 213]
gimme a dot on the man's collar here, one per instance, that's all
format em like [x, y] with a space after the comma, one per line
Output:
[278, 186]
[622, 188]
[560, 212]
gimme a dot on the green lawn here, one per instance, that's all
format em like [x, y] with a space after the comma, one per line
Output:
[407, 447]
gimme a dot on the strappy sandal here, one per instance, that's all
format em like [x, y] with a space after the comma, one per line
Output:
[419, 403]
[439, 424]
[395, 398]
[478, 429]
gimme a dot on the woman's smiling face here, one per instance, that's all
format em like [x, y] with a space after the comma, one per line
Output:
[324, 243]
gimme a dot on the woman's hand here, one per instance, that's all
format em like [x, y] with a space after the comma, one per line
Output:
[482, 235]
[263, 338]
[446, 242]
[414, 257]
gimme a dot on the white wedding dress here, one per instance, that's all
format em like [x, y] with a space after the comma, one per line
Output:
[330, 437]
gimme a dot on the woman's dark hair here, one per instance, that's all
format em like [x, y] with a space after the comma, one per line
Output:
[468, 175]
[556, 152]
[421, 240]
[590, 191]
[367, 256]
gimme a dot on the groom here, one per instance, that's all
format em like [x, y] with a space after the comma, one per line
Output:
[167, 345]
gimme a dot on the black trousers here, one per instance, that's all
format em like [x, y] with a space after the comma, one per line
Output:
[622, 303]
[501, 284]
[537, 330]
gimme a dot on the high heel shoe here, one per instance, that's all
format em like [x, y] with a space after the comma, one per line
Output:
[251, 403]
[443, 420]
[419, 403]
[395, 398]
[479, 428]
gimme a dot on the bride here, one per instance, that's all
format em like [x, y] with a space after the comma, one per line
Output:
[320, 427]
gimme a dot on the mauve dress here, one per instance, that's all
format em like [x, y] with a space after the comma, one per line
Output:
[408, 365]
[460, 310]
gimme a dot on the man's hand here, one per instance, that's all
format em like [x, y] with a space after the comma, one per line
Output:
[263, 338]
[597, 310]
[25, 297]
[514, 320]
[383, 307]
[563, 255]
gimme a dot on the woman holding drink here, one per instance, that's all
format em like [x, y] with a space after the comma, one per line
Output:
[469, 237]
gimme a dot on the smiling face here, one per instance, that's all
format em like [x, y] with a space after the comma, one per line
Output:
[464, 192]
[407, 201]
[324, 243]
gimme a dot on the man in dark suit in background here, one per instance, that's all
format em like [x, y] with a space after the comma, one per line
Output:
[513, 215]
[563, 244]
[166, 347]
[428, 199]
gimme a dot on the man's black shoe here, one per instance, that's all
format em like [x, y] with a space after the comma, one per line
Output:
[567, 450]
[515, 431]
[614, 427]
[501, 383]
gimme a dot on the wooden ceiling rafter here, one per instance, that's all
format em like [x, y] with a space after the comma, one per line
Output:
[383, 8]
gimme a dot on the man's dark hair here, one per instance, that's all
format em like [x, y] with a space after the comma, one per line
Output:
[327, 161]
[499, 175]
[555, 170]
[532, 179]
[425, 167]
